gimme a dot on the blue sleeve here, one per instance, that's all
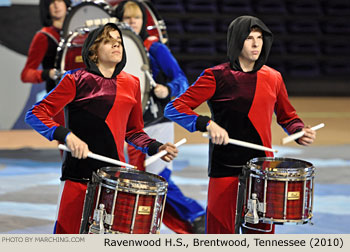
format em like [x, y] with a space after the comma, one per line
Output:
[162, 59]
[39, 117]
[181, 109]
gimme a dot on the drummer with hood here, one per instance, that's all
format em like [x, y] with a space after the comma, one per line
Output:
[103, 109]
[242, 95]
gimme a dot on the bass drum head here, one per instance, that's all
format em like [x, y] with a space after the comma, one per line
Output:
[136, 57]
[77, 16]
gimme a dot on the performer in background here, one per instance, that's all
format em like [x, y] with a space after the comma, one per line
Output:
[103, 104]
[242, 95]
[182, 214]
[44, 44]
[43, 48]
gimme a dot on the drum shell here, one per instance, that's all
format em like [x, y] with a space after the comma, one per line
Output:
[131, 200]
[285, 193]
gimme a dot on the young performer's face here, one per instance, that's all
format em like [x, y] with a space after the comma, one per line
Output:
[58, 9]
[134, 18]
[110, 52]
[252, 47]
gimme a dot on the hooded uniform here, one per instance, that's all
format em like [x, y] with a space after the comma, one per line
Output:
[103, 112]
[243, 104]
[43, 49]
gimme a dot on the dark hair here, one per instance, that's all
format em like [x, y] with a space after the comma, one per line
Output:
[44, 6]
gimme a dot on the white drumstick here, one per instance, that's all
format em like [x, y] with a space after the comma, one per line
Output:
[300, 134]
[145, 69]
[160, 154]
[246, 144]
[101, 158]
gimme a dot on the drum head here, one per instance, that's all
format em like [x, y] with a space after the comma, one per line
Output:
[280, 166]
[131, 177]
[77, 16]
[136, 57]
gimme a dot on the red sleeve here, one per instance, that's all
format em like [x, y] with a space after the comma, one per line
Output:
[39, 117]
[36, 53]
[135, 122]
[135, 135]
[286, 115]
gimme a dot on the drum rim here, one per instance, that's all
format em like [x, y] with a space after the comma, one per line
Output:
[105, 176]
[281, 172]
[72, 10]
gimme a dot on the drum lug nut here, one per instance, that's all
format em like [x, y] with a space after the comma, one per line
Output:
[252, 215]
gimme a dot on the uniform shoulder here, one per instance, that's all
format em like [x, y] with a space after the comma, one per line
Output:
[269, 70]
[129, 77]
[222, 66]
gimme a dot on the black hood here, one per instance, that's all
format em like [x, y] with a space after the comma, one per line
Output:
[238, 31]
[90, 65]
[119, 13]
[45, 12]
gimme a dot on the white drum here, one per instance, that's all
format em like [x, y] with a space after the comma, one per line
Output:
[78, 15]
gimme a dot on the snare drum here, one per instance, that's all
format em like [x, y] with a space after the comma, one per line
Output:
[279, 190]
[69, 56]
[124, 201]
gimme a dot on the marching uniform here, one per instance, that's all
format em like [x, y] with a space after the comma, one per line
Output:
[42, 51]
[243, 104]
[103, 112]
[180, 211]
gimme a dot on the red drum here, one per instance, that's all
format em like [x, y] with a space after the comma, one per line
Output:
[124, 201]
[279, 190]
[155, 24]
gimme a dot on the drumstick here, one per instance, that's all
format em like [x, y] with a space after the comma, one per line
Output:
[160, 154]
[246, 144]
[99, 157]
[300, 134]
[145, 68]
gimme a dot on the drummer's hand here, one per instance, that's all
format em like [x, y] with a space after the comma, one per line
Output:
[52, 74]
[217, 134]
[171, 149]
[309, 136]
[79, 149]
[161, 91]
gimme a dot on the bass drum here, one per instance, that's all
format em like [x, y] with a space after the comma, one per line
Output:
[69, 56]
[155, 24]
[78, 15]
